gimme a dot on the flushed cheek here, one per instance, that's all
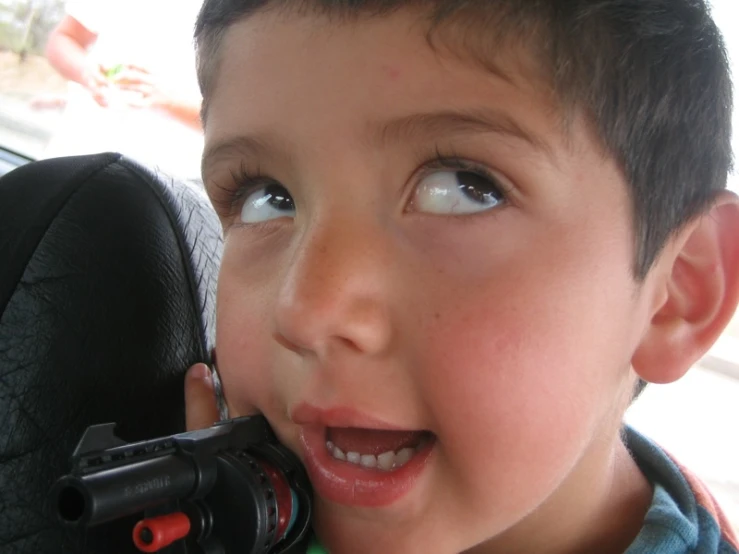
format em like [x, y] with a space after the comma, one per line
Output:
[500, 421]
[511, 380]
[505, 442]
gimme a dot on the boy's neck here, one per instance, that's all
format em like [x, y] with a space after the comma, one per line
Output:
[601, 510]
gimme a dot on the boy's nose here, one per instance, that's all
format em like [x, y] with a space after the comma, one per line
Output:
[335, 292]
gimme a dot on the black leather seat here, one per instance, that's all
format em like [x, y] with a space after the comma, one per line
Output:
[107, 293]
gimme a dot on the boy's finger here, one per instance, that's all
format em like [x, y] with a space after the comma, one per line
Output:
[201, 410]
[139, 68]
[132, 78]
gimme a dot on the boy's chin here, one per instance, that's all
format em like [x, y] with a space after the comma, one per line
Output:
[350, 530]
[339, 536]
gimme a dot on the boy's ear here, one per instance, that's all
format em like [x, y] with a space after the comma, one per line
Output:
[695, 296]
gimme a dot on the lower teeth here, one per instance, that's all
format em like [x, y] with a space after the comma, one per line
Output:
[387, 461]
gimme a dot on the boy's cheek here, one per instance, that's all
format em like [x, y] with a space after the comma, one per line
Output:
[239, 332]
[245, 361]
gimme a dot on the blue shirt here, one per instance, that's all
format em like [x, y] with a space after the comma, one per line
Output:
[683, 517]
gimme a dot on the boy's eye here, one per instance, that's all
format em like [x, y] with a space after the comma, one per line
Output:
[456, 192]
[268, 202]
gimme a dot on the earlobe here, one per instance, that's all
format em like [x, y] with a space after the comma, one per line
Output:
[698, 294]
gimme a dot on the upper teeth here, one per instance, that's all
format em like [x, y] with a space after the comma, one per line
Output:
[385, 461]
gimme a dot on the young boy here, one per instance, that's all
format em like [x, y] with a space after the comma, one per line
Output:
[457, 236]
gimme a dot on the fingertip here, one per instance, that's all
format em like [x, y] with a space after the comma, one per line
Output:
[199, 372]
[200, 400]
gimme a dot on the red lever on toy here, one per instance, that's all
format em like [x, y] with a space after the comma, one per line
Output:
[153, 534]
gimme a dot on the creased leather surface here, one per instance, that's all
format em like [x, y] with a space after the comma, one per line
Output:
[115, 300]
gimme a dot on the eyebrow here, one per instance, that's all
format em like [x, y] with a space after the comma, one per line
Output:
[239, 146]
[459, 122]
[397, 130]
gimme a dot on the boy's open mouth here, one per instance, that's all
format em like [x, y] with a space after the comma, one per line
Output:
[374, 448]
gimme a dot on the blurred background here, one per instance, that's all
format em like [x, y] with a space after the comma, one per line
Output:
[32, 93]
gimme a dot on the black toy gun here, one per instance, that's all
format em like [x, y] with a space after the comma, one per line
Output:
[228, 489]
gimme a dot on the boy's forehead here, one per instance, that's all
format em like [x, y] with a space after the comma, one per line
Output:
[395, 52]
[398, 41]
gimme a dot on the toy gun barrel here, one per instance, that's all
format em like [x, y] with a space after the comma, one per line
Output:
[230, 488]
[114, 493]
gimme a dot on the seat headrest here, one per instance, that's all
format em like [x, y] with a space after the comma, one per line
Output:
[107, 295]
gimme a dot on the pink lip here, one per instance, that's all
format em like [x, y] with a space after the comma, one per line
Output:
[346, 483]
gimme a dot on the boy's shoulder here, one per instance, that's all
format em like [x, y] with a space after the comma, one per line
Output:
[684, 517]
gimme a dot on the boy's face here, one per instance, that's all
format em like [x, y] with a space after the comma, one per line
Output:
[486, 297]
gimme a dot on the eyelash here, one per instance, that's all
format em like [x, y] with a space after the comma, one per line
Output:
[453, 162]
[243, 181]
